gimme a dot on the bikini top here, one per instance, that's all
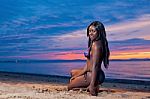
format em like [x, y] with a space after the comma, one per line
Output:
[87, 52]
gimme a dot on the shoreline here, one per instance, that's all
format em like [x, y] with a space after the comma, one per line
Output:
[33, 86]
[65, 79]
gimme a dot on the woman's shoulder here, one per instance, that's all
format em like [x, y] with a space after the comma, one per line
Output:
[97, 45]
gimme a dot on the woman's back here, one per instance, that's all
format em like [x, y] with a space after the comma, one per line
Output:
[96, 44]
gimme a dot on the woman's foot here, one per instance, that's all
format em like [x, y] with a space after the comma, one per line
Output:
[69, 87]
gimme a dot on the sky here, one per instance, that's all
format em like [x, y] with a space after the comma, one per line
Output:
[56, 29]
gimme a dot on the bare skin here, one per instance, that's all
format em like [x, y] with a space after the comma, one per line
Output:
[91, 69]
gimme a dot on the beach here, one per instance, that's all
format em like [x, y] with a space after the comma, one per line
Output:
[30, 86]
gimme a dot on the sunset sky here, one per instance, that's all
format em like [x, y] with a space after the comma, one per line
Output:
[56, 29]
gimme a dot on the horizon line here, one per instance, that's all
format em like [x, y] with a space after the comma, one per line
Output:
[75, 60]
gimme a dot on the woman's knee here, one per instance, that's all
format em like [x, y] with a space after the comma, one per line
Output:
[74, 72]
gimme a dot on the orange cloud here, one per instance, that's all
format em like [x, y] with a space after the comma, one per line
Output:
[130, 54]
[114, 55]
[72, 55]
[134, 53]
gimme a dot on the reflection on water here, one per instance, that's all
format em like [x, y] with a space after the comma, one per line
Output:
[139, 70]
[129, 70]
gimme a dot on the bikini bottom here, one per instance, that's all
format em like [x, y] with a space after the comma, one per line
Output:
[100, 78]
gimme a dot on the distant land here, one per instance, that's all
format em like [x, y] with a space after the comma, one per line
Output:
[54, 61]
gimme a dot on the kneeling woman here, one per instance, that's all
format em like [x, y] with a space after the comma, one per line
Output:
[92, 75]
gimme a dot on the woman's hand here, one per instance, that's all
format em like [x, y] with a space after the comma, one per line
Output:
[93, 90]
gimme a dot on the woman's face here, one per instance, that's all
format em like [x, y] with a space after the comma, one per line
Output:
[92, 32]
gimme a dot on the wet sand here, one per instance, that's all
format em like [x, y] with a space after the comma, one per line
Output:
[26, 86]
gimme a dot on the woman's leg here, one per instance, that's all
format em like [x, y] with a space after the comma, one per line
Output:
[75, 72]
[84, 80]
[80, 82]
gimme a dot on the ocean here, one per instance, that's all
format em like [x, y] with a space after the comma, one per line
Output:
[132, 70]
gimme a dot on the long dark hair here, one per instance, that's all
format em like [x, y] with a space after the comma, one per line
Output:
[102, 36]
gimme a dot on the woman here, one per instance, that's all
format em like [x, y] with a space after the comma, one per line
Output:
[92, 75]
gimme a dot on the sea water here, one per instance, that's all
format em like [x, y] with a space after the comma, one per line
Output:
[133, 70]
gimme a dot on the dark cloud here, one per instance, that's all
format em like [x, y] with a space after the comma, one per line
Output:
[129, 44]
[28, 27]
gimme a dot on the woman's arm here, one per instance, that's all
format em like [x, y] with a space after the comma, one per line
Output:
[82, 72]
[96, 63]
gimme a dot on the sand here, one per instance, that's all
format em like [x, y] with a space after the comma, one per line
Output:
[12, 87]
